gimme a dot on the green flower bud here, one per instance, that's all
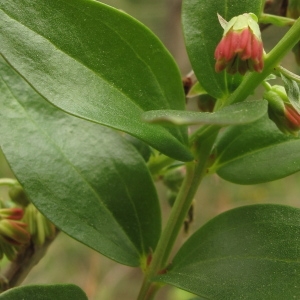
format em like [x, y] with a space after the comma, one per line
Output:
[17, 195]
[39, 227]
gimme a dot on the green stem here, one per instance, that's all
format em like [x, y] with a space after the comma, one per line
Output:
[266, 85]
[8, 182]
[276, 20]
[288, 73]
[272, 60]
[202, 144]
[195, 171]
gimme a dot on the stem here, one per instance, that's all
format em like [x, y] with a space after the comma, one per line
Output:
[8, 182]
[202, 143]
[195, 172]
[288, 74]
[26, 259]
[276, 20]
[266, 85]
[272, 60]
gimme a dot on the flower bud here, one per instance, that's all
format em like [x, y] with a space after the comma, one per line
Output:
[14, 232]
[17, 194]
[241, 48]
[39, 227]
[14, 213]
[281, 111]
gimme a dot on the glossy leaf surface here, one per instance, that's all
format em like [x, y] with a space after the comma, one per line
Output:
[84, 177]
[239, 113]
[256, 153]
[45, 292]
[97, 63]
[251, 252]
[203, 32]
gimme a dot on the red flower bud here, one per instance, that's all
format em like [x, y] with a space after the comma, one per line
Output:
[293, 117]
[14, 232]
[11, 213]
[241, 48]
[281, 111]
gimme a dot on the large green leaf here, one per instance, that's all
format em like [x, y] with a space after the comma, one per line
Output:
[203, 32]
[86, 178]
[251, 252]
[97, 63]
[45, 292]
[255, 153]
[239, 113]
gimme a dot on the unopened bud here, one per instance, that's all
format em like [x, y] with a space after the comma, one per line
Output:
[13, 213]
[281, 112]
[17, 195]
[241, 48]
[14, 232]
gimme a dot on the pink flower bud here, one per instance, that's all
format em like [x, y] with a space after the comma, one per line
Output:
[281, 111]
[12, 213]
[293, 117]
[14, 232]
[241, 48]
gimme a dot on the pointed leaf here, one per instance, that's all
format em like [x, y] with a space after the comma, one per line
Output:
[97, 63]
[87, 179]
[256, 153]
[203, 32]
[239, 113]
[45, 292]
[251, 252]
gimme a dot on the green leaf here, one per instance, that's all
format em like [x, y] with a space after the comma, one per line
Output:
[239, 113]
[293, 92]
[196, 90]
[203, 32]
[86, 178]
[250, 252]
[97, 63]
[256, 153]
[45, 292]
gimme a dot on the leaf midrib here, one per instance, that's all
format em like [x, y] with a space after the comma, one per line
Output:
[97, 197]
[179, 132]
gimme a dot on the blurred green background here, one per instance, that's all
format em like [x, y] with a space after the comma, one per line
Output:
[67, 261]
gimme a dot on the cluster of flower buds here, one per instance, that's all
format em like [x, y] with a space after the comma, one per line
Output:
[281, 111]
[13, 231]
[38, 226]
[241, 47]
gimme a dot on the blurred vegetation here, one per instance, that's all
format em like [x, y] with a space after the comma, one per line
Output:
[68, 261]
